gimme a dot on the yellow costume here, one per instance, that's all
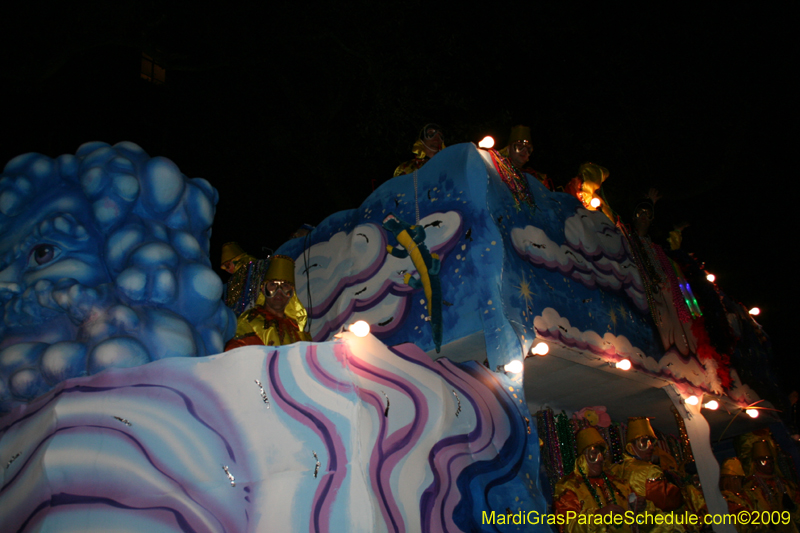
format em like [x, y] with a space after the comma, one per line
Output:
[585, 187]
[262, 325]
[769, 492]
[523, 133]
[420, 155]
[584, 495]
[730, 475]
[646, 479]
[231, 251]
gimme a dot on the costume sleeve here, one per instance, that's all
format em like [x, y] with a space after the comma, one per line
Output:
[568, 501]
[409, 167]
[735, 506]
[248, 340]
[401, 169]
[245, 333]
[695, 501]
[663, 494]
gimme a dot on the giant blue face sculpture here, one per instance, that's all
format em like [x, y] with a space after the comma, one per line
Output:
[103, 263]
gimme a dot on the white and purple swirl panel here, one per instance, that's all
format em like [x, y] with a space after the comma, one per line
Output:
[340, 436]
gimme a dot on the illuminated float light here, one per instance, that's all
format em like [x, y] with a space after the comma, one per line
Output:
[755, 311]
[359, 329]
[752, 413]
[623, 364]
[514, 367]
[692, 400]
[595, 202]
[711, 277]
[487, 142]
[540, 349]
[712, 405]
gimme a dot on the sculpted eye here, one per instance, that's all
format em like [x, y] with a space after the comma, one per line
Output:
[42, 254]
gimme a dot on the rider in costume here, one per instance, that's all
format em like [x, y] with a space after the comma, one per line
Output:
[278, 317]
[234, 257]
[731, 478]
[518, 151]
[590, 489]
[766, 488]
[646, 479]
[429, 143]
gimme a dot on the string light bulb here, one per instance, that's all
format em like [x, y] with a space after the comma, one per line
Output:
[487, 142]
[359, 328]
[692, 400]
[540, 349]
[755, 311]
[514, 367]
[711, 277]
[712, 405]
[623, 364]
[752, 413]
[595, 202]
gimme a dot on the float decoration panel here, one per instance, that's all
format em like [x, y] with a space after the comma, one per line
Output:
[346, 435]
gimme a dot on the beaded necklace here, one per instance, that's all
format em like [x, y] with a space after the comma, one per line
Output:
[566, 441]
[555, 464]
[514, 180]
[615, 441]
[609, 488]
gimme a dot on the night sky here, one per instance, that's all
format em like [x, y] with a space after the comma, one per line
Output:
[295, 112]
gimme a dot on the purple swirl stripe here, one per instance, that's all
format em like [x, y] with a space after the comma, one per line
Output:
[326, 431]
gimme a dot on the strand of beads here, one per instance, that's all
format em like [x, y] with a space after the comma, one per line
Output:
[516, 183]
[684, 436]
[551, 451]
[566, 441]
[546, 455]
[615, 442]
[609, 488]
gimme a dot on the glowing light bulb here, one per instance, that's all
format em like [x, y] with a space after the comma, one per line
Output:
[755, 311]
[359, 329]
[487, 142]
[540, 349]
[623, 364]
[713, 405]
[595, 202]
[711, 277]
[753, 413]
[514, 367]
[692, 400]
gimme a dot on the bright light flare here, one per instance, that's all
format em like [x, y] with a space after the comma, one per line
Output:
[755, 311]
[540, 349]
[595, 202]
[692, 400]
[623, 364]
[752, 413]
[712, 405]
[359, 329]
[487, 142]
[514, 367]
[711, 277]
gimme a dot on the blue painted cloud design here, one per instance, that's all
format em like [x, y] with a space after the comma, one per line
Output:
[351, 277]
[594, 254]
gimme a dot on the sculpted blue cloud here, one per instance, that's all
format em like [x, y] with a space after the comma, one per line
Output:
[103, 263]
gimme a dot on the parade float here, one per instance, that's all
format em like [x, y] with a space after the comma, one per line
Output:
[118, 407]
